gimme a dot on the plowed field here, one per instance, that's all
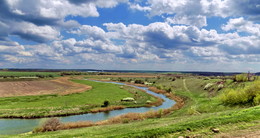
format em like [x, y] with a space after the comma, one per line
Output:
[60, 86]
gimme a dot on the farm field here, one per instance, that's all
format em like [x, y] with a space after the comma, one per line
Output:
[60, 86]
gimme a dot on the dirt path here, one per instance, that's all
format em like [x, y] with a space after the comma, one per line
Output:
[252, 132]
[61, 85]
[185, 86]
[194, 106]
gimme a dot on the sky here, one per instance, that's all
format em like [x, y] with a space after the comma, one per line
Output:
[167, 35]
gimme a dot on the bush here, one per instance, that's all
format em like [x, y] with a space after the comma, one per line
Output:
[248, 95]
[234, 97]
[168, 90]
[40, 76]
[105, 104]
[51, 124]
[241, 78]
[139, 81]
[160, 87]
[257, 100]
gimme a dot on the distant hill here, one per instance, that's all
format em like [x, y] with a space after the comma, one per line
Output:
[201, 73]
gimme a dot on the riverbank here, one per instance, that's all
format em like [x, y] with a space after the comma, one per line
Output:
[125, 118]
[93, 117]
[29, 107]
[228, 122]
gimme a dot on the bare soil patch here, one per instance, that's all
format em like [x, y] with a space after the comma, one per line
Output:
[252, 132]
[61, 85]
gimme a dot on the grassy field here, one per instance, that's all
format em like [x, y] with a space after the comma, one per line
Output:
[46, 105]
[26, 74]
[202, 112]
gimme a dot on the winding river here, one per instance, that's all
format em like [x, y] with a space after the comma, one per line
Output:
[17, 126]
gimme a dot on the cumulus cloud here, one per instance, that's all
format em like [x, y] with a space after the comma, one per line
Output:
[14, 53]
[90, 31]
[182, 37]
[241, 45]
[42, 20]
[242, 25]
[32, 32]
[198, 21]
[163, 35]
[138, 7]
[195, 12]
[166, 42]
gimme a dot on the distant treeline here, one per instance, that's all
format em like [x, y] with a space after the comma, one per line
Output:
[107, 72]
[84, 73]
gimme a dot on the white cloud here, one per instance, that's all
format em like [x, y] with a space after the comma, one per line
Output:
[180, 40]
[41, 20]
[198, 21]
[91, 31]
[33, 32]
[194, 12]
[242, 25]
[138, 7]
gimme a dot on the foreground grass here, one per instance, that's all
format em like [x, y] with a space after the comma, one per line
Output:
[51, 105]
[168, 127]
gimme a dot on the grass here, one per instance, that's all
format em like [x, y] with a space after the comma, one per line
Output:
[51, 105]
[26, 74]
[226, 121]
[203, 111]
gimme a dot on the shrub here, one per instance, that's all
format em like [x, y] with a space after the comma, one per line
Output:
[160, 87]
[51, 124]
[160, 113]
[105, 104]
[40, 76]
[257, 100]
[139, 81]
[248, 95]
[234, 97]
[241, 78]
[168, 90]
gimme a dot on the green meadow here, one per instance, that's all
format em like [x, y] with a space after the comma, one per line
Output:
[51, 105]
[26, 74]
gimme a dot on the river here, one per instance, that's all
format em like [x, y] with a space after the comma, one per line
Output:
[17, 126]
